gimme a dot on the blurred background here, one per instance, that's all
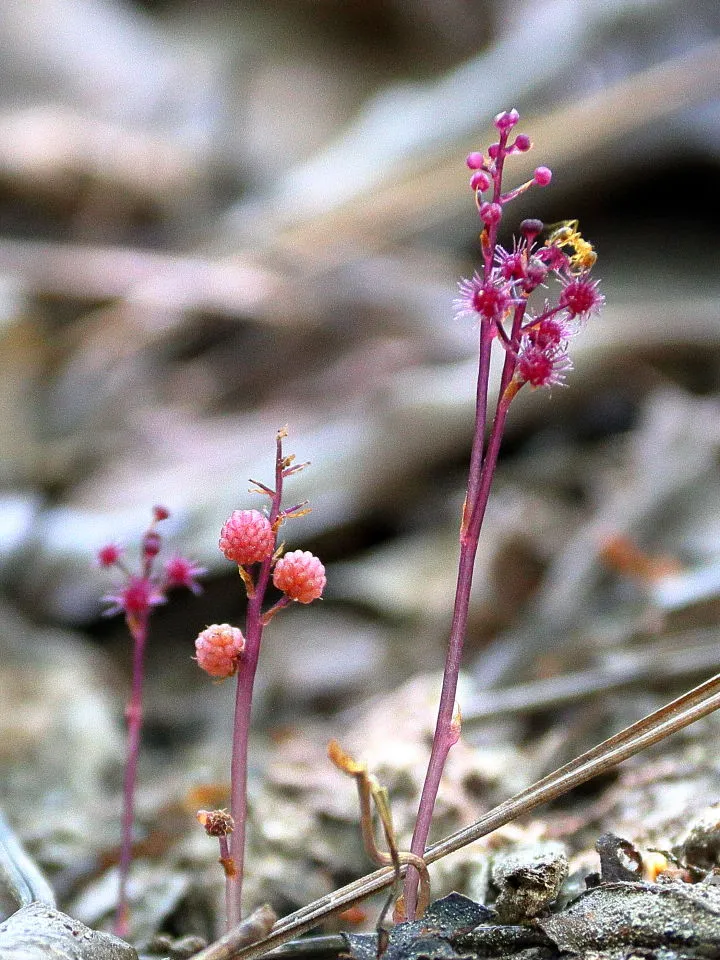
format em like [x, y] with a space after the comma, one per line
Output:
[220, 217]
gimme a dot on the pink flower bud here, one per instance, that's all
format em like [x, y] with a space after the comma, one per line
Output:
[479, 181]
[151, 544]
[506, 120]
[160, 513]
[490, 213]
[218, 649]
[523, 142]
[475, 160]
[247, 537]
[300, 576]
[543, 176]
[108, 555]
[531, 228]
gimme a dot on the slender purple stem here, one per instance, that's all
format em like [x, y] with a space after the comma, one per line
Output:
[481, 399]
[445, 736]
[482, 469]
[243, 705]
[138, 627]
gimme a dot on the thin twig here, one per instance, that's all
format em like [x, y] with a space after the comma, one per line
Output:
[694, 705]
[648, 664]
[257, 925]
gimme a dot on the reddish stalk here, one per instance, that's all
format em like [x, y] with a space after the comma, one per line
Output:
[446, 733]
[535, 353]
[243, 705]
[138, 627]
[139, 595]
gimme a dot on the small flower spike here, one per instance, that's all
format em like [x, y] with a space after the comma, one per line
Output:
[250, 538]
[300, 576]
[141, 590]
[219, 648]
[504, 301]
[247, 537]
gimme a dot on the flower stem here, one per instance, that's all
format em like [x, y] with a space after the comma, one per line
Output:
[445, 736]
[138, 627]
[243, 704]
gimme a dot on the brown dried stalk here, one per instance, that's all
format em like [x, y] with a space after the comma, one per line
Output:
[367, 787]
[694, 705]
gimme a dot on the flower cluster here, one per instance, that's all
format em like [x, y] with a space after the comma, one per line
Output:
[300, 576]
[498, 296]
[534, 334]
[249, 538]
[147, 588]
[142, 590]
[219, 648]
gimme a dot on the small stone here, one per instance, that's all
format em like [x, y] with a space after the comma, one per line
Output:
[528, 881]
[37, 932]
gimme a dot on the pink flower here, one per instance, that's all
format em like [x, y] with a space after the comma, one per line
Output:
[181, 572]
[512, 265]
[542, 366]
[137, 597]
[219, 648]
[300, 576]
[580, 297]
[549, 333]
[247, 537]
[108, 555]
[486, 299]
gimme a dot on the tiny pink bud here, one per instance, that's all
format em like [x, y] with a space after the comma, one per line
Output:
[160, 513]
[536, 274]
[108, 555]
[506, 120]
[543, 176]
[475, 160]
[479, 181]
[531, 228]
[300, 576]
[218, 649]
[247, 537]
[491, 213]
[523, 142]
[494, 151]
[151, 544]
